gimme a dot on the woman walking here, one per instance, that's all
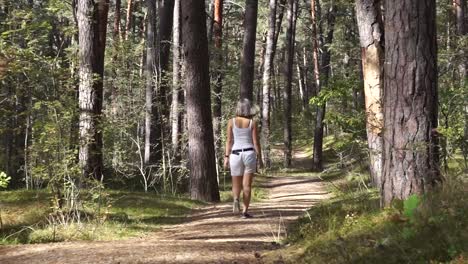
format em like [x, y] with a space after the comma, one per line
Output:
[242, 152]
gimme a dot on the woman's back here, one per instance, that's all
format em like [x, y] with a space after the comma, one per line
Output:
[242, 132]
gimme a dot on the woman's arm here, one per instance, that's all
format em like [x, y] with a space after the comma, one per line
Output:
[229, 143]
[256, 142]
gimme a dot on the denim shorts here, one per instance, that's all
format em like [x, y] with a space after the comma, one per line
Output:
[244, 162]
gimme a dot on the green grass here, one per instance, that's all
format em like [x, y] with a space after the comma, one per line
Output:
[26, 217]
[352, 228]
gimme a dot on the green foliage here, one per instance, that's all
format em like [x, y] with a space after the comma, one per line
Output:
[4, 179]
[352, 228]
[410, 205]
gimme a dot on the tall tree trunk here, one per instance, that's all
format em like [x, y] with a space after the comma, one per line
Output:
[267, 72]
[116, 32]
[177, 91]
[211, 20]
[203, 178]
[410, 99]
[248, 50]
[324, 72]
[166, 11]
[218, 73]
[288, 72]
[129, 20]
[152, 118]
[92, 25]
[370, 27]
[315, 47]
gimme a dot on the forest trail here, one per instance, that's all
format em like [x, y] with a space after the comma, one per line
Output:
[212, 234]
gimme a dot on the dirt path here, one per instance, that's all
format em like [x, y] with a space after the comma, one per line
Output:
[211, 235]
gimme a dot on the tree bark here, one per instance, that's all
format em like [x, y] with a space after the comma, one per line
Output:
[410, 100]
[129, 20]
[267, 71]
[92, 25]
[325, 72]
[248, 50]
[116, 31]
[203, 178]
[152, 153]
[218, 73]
[177, 91]
[288, 74]
[166, 11]
[370, 28]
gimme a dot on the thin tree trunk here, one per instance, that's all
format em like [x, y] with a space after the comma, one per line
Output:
[177, 92]
[288, 74]
[166, 11]
[203, 178]
[315, 55]
[325, 72]
[116, 31]
[152, 154]
[92, 25]
[218, 73]
[248, 50]
[267, 71]
[370, 28]
[129, 20]
[410, 100]
[211, 20]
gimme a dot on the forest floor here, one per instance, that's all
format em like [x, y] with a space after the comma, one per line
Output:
[211, 234]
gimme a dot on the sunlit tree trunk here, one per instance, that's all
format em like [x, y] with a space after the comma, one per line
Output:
[410, 99]
[92, 25]
[248, 50]
[177, 91]
[129, 19]
[370, 28]
[203, 178]
[218, 74]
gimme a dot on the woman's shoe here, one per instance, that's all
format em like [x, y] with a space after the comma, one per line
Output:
[246, 215]
[236, 206]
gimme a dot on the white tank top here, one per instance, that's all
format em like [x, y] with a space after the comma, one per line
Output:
[242, 136]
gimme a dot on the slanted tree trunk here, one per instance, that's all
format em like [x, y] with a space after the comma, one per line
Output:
[166, 11]
[267, 81]
[203, 178]
[248, 50]
[370, 27]
[218, 73]
[177, 91]
[288, 75]
[410, 99]
[152, 118]
[324, 72]
[92, 25]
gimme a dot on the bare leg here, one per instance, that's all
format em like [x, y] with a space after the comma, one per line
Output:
[247, 190]
[236, 186]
